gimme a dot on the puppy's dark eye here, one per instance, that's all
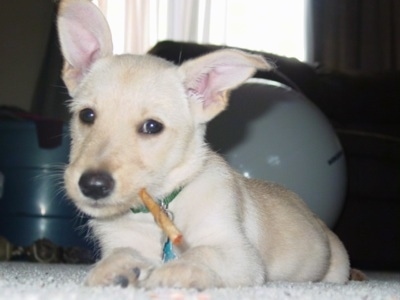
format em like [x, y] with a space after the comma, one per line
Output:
[151, 127]
[87, 116]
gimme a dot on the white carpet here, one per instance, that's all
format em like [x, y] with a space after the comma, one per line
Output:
[40, 281]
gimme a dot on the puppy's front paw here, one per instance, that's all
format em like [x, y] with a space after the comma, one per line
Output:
[122, 268]
[181, 274]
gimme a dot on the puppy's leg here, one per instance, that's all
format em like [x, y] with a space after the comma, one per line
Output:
[204, 267]
[123, 267]
[339, 269]
[186, 272]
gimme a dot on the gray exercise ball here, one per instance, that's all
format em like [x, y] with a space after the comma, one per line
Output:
[272, 132]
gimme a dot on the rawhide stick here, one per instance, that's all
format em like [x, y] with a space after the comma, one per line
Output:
[161, 218]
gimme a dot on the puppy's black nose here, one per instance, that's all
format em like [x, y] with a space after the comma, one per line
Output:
[96, 184]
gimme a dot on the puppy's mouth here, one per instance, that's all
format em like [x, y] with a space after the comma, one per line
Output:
[107, 207]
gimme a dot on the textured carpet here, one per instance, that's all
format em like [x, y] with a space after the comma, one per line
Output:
[55, 281]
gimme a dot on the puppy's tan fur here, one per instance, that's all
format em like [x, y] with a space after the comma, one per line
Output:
[238, 231]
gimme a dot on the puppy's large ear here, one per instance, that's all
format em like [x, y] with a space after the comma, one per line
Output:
[84, 37]
[209, 78]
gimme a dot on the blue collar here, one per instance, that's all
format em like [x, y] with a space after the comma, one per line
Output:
[164, 202]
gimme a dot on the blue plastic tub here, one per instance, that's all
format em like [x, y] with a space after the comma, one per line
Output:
[33, 204]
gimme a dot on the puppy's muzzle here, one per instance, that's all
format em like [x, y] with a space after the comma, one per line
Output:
[96, 184]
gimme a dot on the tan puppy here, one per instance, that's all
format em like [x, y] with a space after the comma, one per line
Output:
[139, 122]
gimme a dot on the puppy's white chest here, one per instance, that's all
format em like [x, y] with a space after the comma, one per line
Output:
[136, 231]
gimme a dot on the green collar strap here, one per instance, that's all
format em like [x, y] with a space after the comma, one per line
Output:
[164, 202]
